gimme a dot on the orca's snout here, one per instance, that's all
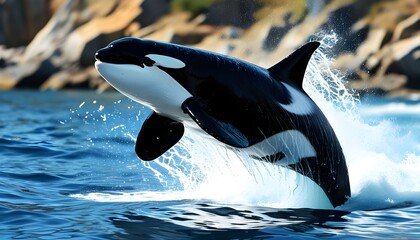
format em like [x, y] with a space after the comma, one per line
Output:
[114, 55]
[103, 55]
[111, 55]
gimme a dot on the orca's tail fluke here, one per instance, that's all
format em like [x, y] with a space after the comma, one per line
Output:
[293, 67]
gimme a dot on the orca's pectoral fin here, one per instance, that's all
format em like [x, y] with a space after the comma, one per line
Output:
[157, 135]
[222, 131]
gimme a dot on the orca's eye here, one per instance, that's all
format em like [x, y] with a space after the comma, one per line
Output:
[148, 62]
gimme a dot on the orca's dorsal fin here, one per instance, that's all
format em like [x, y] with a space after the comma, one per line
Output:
[157, 135]
[293, 67]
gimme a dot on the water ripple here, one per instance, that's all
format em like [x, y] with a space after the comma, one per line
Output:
[52, 150]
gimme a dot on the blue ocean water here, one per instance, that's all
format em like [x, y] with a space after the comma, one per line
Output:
[68, 170]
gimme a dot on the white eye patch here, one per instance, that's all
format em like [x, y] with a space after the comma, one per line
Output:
[165, 61]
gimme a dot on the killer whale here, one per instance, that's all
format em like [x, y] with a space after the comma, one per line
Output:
[261, 112]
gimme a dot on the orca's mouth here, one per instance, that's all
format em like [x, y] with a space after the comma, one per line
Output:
[109, 55]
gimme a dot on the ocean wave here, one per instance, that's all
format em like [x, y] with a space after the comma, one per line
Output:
[391, 109]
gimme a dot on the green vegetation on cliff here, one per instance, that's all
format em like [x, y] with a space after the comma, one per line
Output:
[296, 8]
[192, 6]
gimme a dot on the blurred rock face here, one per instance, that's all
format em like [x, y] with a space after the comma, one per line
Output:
[67, 43]
[21, 20]
[51, 44]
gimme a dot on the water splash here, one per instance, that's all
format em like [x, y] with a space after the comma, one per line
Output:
[383, 163]
[326, 86]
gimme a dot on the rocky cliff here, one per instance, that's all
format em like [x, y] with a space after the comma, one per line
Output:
[50, 44]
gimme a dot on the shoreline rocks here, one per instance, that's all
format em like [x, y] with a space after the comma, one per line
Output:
[378, 46]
